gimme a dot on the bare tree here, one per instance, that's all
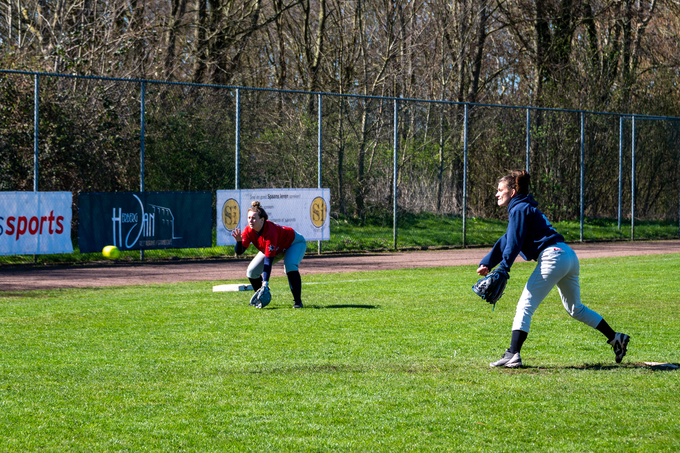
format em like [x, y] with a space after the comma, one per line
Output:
[224, 31]
[172, 30]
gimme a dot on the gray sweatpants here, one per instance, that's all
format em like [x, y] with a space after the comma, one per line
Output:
[557, 266]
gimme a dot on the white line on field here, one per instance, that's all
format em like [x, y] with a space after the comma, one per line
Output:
[349, 281]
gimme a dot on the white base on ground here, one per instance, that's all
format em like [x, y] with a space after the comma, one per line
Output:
[234, 287]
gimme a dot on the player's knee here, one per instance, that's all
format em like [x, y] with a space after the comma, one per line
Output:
[577, 312]
[586, 316]
[253, 273]
[290, 268]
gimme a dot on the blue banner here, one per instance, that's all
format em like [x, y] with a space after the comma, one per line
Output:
[144, 220]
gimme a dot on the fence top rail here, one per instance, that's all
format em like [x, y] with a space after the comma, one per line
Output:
[361, 96]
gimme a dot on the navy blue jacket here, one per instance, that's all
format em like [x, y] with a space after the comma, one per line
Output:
[529, 233]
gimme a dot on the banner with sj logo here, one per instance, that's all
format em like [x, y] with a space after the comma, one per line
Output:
[305, 210]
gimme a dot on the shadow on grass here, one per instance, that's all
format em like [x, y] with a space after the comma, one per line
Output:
[655, 366]
[601, 367]
[27, 293]
[324, 307]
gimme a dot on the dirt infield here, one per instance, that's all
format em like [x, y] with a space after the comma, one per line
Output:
[118, 274]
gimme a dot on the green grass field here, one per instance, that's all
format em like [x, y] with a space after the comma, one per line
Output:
[376, 362]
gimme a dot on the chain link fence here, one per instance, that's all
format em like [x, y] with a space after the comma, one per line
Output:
[403, 173]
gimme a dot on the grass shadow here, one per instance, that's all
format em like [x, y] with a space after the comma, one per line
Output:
[650, 366]
[601, 367]
[323, 307]
[598, 366]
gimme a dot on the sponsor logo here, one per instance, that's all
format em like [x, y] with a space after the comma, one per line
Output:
[18, 226]
[231, 214]
[318, 212]
[154, 226]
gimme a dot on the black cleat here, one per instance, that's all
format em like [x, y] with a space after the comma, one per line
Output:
[620, 345]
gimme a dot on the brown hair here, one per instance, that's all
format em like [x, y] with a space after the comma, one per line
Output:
[520, 180]
[257, 207]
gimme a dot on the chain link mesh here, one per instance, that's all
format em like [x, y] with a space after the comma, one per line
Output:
[90, 138]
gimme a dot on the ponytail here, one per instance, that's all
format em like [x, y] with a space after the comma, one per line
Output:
[519, 180]
[257, 207]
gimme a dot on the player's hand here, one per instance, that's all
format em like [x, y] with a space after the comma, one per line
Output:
[236, 234]
[483, 270]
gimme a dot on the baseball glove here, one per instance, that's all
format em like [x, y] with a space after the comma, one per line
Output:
[491, 287]
[261, 298]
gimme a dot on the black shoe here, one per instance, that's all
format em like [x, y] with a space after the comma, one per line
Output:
[297, 305]
[620, 345]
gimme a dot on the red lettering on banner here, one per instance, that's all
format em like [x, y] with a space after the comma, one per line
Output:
[19, 226]
[10, 225]
[33, 225]
[51, 219]
[22, 224]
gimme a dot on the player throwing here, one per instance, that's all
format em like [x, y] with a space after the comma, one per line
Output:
[274, 242]
[531, 235]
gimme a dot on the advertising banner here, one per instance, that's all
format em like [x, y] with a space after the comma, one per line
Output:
[144, 220]
[35, 223]
[306, 211]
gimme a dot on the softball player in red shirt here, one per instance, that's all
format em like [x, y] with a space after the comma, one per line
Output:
[274, 242]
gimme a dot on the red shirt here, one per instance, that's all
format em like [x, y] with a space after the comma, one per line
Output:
[272, 240]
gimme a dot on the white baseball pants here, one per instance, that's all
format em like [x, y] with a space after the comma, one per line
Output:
[557, 266]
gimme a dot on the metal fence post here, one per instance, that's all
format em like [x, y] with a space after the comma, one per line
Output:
[238, 137]
[36, 137]
[465, 168]
[142, 121]
[583, 135]
[620, 167]
[528, 137]
[632, 181]
[394, 172]
[319, 141]
[675, 127]
[36, 129]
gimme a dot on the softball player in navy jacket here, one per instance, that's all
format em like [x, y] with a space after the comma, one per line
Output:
[274, 242]
[531, 235]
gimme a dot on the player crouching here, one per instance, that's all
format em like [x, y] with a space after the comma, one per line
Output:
[274, 242]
